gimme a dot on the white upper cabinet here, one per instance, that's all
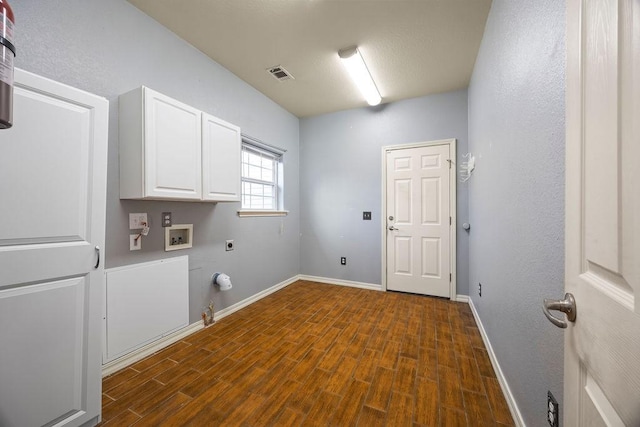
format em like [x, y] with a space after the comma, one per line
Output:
[221, 147]
[171, 151]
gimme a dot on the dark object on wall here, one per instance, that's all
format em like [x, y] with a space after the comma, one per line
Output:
[6, 65]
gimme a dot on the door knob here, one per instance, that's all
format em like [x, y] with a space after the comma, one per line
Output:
[391, 228]
[567, 306]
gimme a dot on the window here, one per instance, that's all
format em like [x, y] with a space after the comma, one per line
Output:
[261, 179]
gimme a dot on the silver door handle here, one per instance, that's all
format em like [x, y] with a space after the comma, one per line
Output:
[392, 228]
[98, 252]
[567, 306]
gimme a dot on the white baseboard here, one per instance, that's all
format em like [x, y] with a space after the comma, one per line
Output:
[149, 349]
[361, 285]
[253, 298]
[352, 284]
[462, 298]
[511, 401]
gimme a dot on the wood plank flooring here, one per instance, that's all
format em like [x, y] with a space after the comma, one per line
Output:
[318, 355]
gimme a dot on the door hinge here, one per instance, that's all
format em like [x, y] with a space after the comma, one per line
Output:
[449, 220]
[450, 277]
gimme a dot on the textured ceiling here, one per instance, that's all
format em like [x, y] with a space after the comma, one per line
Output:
[412, 47]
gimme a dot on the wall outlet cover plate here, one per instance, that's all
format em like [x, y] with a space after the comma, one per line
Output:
[137, 221]
[552, 410]
[135, 242]
[166, 219]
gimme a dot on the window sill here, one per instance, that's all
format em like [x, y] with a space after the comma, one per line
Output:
[251, 213]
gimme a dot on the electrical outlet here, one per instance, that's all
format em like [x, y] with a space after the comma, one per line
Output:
[343, 260]
[552, 410]
[479, 289]
[366, 216]
[166, 219]
[229, 246]
[135, 242]
[137, 221]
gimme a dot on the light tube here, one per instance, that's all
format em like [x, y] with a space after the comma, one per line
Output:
[360, 75]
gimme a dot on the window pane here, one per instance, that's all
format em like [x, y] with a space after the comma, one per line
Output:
[255, 159]
[256, 202]
[257, 189]
[260, 167]
[267, 175]
[267, 163]
[255, 172]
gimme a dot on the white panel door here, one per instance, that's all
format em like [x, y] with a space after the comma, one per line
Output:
[221, 163]
[172, 148]
[52, 218]
[602, 347]
[418, 224]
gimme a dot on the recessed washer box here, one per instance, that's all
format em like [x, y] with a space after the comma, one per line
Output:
[178, 236]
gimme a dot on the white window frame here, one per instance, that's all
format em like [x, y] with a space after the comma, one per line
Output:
[276, 153]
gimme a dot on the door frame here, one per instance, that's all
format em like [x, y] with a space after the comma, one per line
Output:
[452, 144]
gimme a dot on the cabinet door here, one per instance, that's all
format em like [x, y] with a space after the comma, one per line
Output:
[137, 313]
[221, 145]
[172, 148]
[53, 186]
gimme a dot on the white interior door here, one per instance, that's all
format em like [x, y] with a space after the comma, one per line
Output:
[418, 234]
[602, 347]
[52, 217]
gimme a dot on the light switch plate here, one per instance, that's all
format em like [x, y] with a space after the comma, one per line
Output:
[135, 245]
[136, 220]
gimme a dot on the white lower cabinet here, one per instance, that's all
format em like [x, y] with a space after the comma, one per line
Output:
[144, 302]
[171, 151]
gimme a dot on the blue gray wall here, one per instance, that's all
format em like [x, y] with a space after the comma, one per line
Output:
[110, 47]
[516, 194]
[341, 176]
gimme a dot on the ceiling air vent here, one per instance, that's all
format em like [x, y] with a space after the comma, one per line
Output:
[280, 73]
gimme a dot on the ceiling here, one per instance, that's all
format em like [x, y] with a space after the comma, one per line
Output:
[411, 47]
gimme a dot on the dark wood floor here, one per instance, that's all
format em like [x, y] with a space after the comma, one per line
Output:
[317, 354]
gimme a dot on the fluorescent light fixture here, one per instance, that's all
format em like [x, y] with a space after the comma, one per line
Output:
[359, 73]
